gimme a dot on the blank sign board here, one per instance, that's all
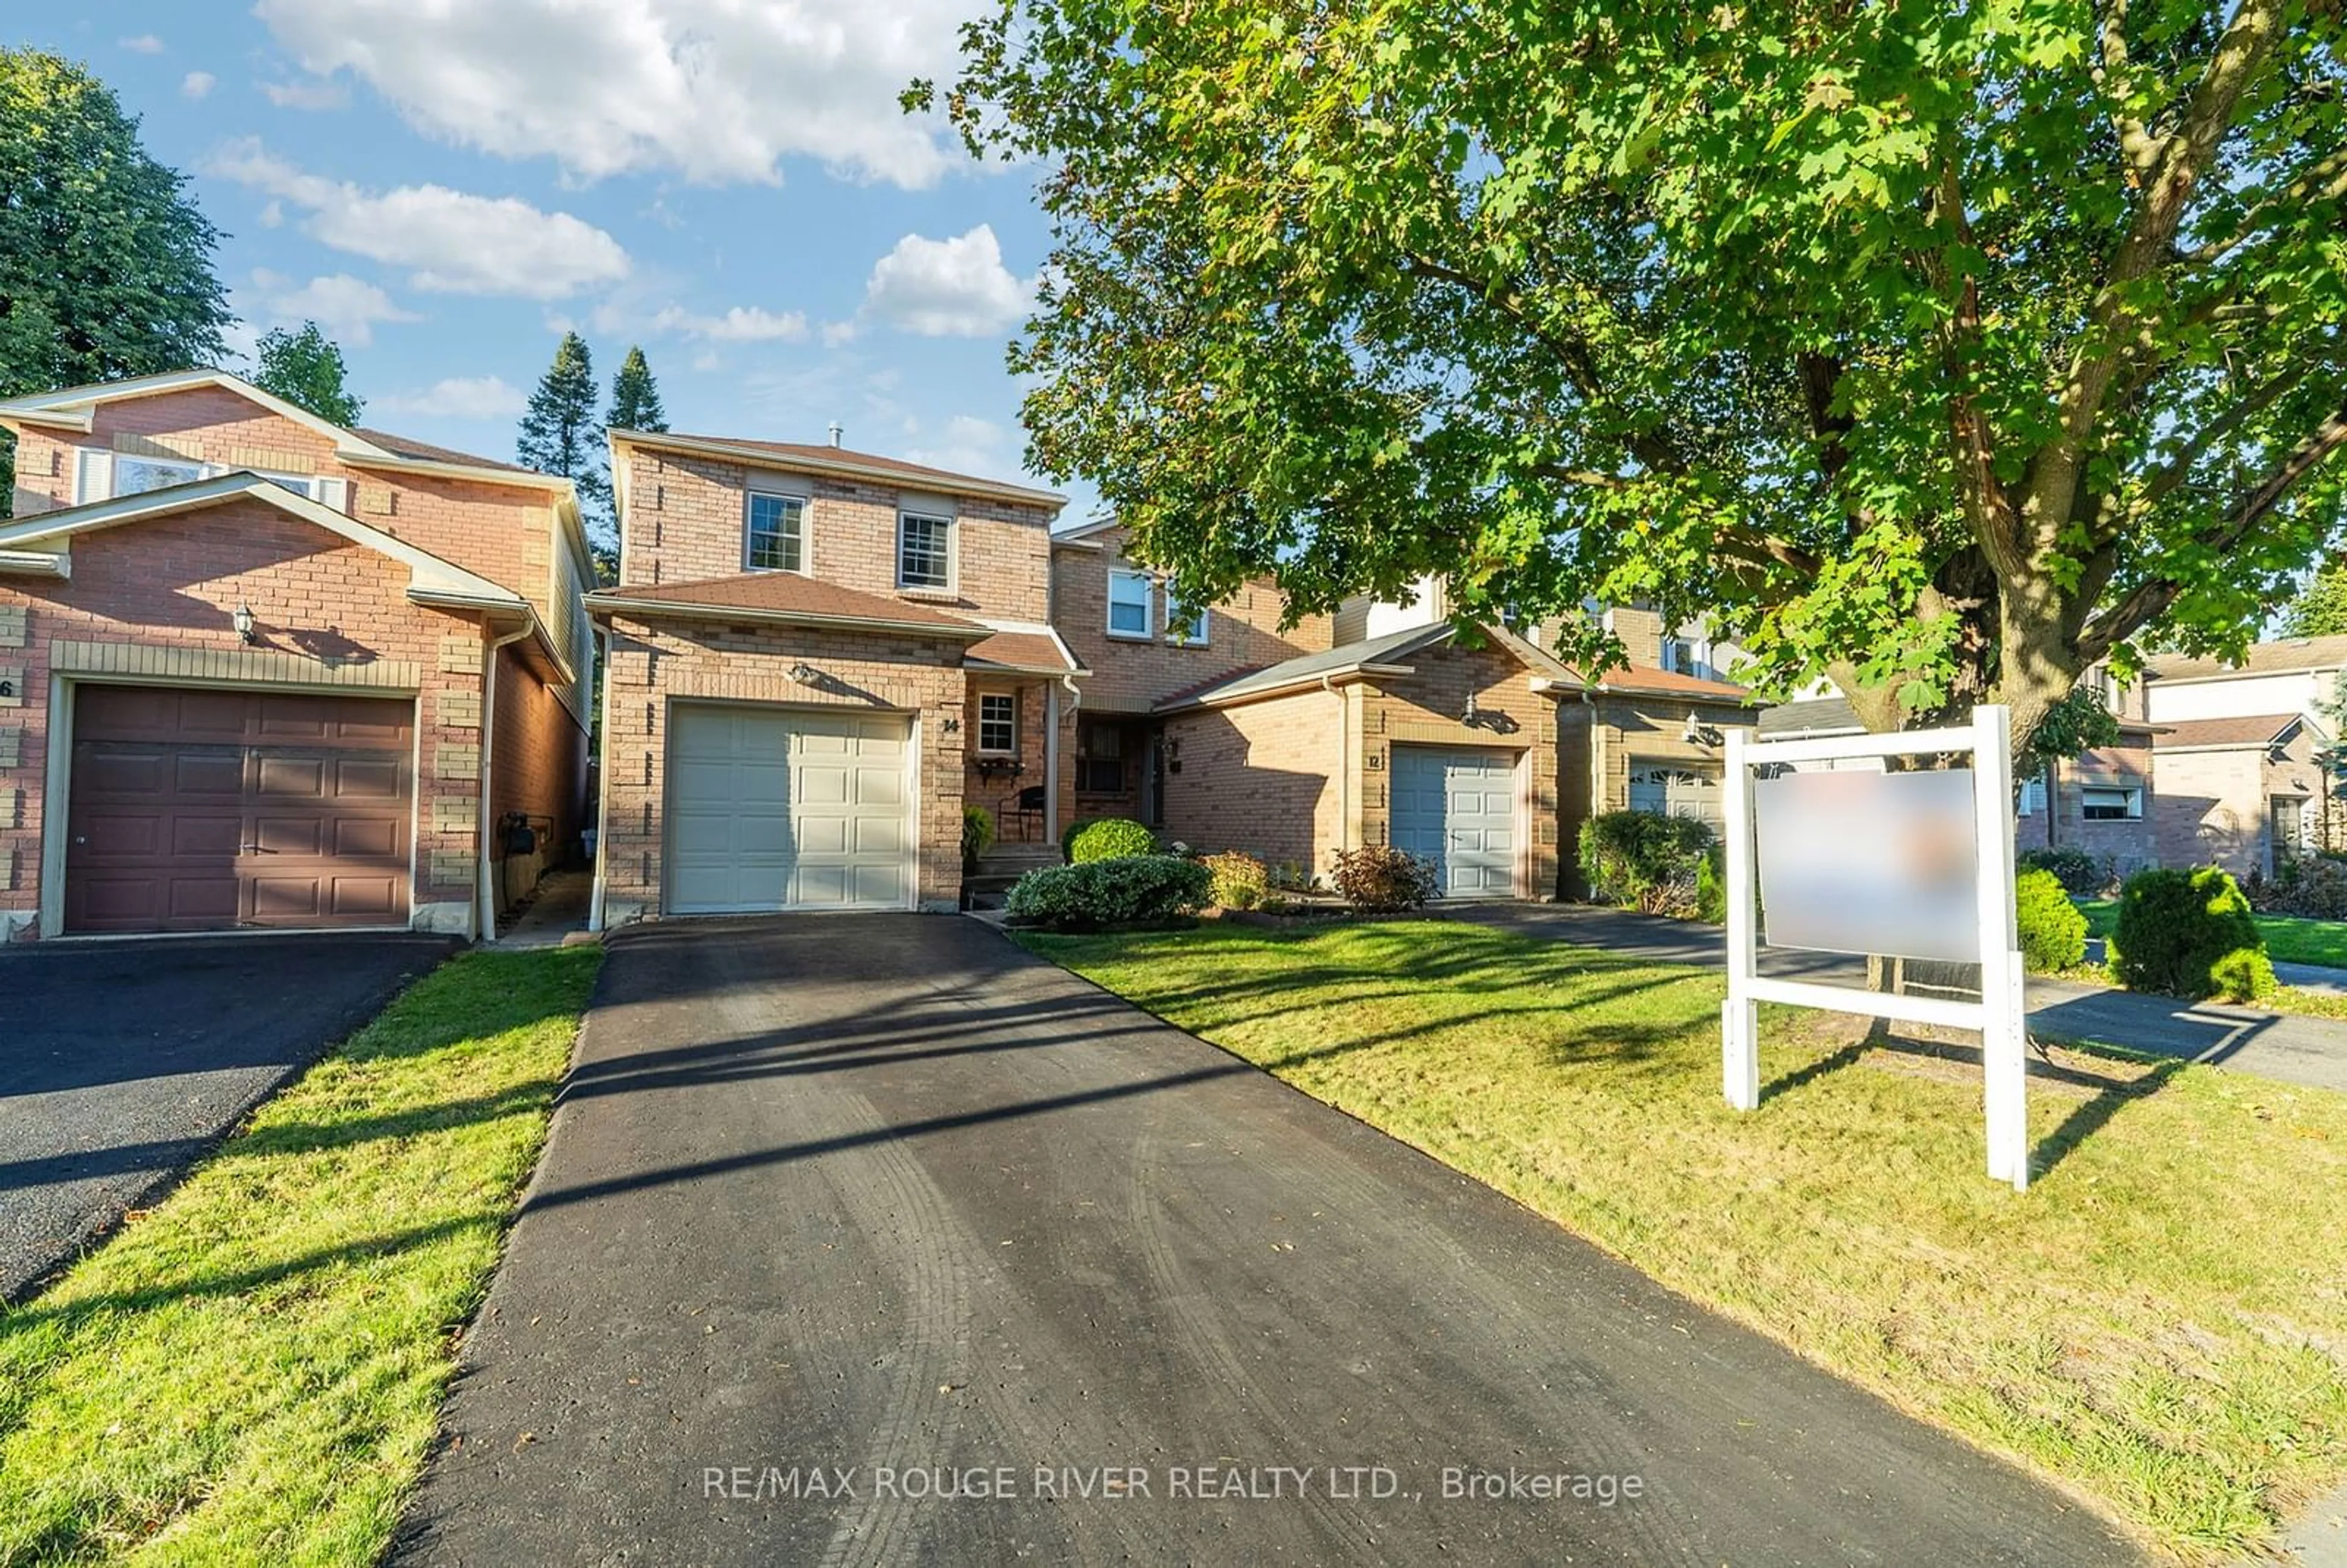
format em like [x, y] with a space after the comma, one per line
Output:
[1863, 862]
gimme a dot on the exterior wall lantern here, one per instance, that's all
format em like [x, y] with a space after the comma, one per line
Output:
[242, 622]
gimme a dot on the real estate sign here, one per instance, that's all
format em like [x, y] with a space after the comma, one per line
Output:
[1913, 865]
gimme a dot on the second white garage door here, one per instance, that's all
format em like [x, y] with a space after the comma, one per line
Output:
[1457, 808]
[787, 809]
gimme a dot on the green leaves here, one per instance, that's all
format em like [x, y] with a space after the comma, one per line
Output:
[1838, 325]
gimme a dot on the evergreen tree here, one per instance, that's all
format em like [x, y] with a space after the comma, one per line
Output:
[635, 395]
[305, 369]
[2321, 608]
[560, 432]
[105, 267]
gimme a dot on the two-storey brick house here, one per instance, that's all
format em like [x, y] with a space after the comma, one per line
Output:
[258, 672]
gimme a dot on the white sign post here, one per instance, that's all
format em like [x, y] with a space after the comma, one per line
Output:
[1867, 875]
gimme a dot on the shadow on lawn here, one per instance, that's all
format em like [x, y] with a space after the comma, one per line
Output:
[2105, 1094]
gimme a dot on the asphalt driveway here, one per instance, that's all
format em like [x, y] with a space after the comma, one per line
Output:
[122, 1061]
[870, 1239]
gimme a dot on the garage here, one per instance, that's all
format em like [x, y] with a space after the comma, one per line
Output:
[781, 808]
[209, 810]
[1677, 789]
[1457, 808]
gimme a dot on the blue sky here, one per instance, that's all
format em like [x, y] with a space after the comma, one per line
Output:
[446, 185]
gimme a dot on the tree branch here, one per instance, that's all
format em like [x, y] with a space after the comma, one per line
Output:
[2148, 598]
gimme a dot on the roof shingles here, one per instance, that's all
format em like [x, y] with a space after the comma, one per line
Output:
[788, 595]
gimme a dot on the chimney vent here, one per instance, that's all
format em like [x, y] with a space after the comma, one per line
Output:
[835, 433]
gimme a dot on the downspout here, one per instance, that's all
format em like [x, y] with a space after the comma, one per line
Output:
[1348, 830]
[486, 888]
[603, 784]
[1052, 825]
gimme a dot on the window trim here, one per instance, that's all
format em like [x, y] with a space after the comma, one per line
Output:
[946, 514]
[982, 749]
[2034, 796]
[1148, 605]
[1180, 637]
[749, 499]
[2130, 809]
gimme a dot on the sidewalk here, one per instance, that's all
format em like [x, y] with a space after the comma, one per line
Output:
[2284, 1045]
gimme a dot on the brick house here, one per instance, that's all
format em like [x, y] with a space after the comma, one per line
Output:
[248, 659]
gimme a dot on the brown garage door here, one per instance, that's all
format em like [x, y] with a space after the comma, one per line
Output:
[211, 811]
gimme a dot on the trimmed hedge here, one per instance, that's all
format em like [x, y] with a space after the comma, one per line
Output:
[1095, 894]
[1645, 861]
[1384, 880]
[2052, 931]
[1106, 838]
[2189, 934]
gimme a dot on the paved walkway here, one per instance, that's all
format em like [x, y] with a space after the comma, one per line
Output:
[121, 1062]
[2286, 1045]
[844, 1212]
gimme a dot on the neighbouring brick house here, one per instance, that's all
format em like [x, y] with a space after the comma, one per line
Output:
[248, 661]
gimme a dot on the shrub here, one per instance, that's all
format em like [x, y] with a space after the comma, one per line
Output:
[2315, 888]
[2077, 871]
[1294, 876]
[1711, 886]
[2189, 934]
[1238, 880]
[2052, 931]
[1093, 894]
[1383, 880]
[977, 832]
[1643, 860]
[1107, 838]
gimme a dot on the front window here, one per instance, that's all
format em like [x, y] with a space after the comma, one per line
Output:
[2105, 803]
[777, 533]
[1192, 630]
[137, 475]
[1128, 604]
[924, 550]
[2033, 796]
[997, 723]
[1099, 762]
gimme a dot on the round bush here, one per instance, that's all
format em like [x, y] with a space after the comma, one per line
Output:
[1108, 838]
[2052, 931]
[1383, 880]
[2189, 934]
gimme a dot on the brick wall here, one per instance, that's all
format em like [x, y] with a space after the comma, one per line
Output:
[2127, 845]
[327, 613]
[687, 519]
[2216, 807]
[1132, 677]
[1266, 778]
[654, 664]
[538, 761]
[1428, 708]
[1602, 737]
[503, 532]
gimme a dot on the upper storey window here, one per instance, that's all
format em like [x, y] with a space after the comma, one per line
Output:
[102, 475]
[924, 550]
[1128, 604]
[777, 533]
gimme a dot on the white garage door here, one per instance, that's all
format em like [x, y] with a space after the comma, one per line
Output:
[1457, 808]
[782, 809]
[1677, 789]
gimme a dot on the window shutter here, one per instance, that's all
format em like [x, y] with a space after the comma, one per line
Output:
[93, 476]
[334, 495]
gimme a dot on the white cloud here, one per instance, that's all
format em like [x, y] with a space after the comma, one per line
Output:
[197, 84]
[460, 397]
[707, 361]
[740, 324]
[967, 445]
[716, 90]
[947, 288]
[306, 95]
[346, 308]
[448, 241]
[144, 44]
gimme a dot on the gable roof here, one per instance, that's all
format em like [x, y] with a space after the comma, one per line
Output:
[1811, 716]
[787, 598]
[1027, 646]
[2253, 730]
[1645, 680]
[74, 408]
[2286, 657]
[838, 461]
[432, 580]
[1370, 656]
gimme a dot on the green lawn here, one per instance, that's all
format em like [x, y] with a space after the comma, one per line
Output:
[2161, 1323]
[2289, 937]
[251, 1371]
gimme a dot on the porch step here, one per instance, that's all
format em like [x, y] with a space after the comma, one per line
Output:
[1013, 858]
